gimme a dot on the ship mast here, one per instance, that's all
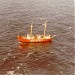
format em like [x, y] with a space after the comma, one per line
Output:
[44, 29]
[31, 29]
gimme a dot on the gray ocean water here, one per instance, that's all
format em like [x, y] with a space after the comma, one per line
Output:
[51, 58]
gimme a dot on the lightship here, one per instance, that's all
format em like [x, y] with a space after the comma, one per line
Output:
[30, 38]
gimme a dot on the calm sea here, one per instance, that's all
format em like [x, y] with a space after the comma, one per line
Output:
[51, 58]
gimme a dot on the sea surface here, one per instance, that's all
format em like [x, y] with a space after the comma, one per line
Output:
[51, 58]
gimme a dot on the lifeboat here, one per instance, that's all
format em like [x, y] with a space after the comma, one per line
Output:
[30, 38]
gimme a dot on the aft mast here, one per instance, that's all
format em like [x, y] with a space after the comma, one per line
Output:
[44, 29]
[31, 29]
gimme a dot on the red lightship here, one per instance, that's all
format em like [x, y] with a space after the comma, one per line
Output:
[30, 38]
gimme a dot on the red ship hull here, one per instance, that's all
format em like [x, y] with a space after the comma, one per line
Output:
[25, 40]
